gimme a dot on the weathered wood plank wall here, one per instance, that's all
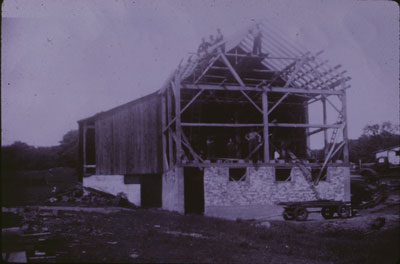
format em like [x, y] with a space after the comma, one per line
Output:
[128, 138]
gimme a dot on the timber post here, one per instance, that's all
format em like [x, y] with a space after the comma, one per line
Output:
[178, 132]
[324, 117]
[266, 133]
[345, 127]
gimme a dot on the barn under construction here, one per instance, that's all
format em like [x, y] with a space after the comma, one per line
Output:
[228, 134]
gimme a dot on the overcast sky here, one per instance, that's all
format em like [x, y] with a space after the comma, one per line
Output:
[66, 60]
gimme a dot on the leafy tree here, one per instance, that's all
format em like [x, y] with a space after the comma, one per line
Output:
[68, 149]
[374, 138]
[21, 156]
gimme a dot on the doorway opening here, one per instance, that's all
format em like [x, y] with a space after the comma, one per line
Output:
[150, 190]
[194, 190]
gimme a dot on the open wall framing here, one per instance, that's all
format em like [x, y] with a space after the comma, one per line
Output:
[201, 118]
[224, 94]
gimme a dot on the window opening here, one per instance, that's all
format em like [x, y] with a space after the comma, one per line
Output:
[237, 174]
[283, 174]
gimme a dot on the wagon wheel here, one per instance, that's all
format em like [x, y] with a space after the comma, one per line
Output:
[288, 214]
[301, 214]
[327, 212]
[343, 211]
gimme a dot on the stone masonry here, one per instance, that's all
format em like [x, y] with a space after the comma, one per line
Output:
[260, 187]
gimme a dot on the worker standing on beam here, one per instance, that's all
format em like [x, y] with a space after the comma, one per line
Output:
[254, 140]
[256, 32]
[203, 47]
[212, 40]
[218, 38]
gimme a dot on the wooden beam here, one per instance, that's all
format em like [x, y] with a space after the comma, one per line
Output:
[266, 133]
[220, 125]
[184, 108]
[333, 105]
[315, 131]
[345, 128]
[254, 151]
[329, 79]
[257, 57]
[214, 76]
[187, 144]
[312, 70]
[327, 159]
[304, 125]
[307, 120]
[297, 68]
[84, 147]
[214, 59]
[170, 143]
[268, 71]
[324, 117]
[262, 88]
[316, 99]
[255, 79]
[178, 127]
[164, 137]
[277, 103]
[259, 125]
[237, 77]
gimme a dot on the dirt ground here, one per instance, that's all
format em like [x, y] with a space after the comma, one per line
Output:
[151, 235]
[57, 233]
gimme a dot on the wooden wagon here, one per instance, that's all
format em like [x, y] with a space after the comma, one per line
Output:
[299, 210]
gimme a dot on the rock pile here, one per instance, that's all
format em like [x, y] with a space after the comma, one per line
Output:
[77, 194]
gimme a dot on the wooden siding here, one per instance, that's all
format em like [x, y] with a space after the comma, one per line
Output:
[128, 138]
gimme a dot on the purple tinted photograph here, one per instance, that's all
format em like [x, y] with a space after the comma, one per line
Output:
[174, 131]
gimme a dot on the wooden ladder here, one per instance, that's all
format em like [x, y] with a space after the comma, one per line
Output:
[331, 149]
[306, 173]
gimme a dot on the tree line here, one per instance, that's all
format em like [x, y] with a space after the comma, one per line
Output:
[21, 156]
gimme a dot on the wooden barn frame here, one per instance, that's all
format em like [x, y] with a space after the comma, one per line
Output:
[287, 73]
[178, 136]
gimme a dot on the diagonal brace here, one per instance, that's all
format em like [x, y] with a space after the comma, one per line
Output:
[277, 103]
[184, 108]
[241, 83]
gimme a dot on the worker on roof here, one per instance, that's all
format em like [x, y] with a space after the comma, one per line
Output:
[211, 40]
[256, 32]
[204, 45]
[218, 38]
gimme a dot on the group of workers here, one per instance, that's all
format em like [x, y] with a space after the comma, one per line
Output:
[253, 138]
[204, 45]
[255, 32]
[234, 147]
[249, 148]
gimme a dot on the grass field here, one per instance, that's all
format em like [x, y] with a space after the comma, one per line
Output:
[33, 187]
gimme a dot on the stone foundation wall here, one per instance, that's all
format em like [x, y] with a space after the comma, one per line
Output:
[172, 190]
[260, 187]
[114, 184]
